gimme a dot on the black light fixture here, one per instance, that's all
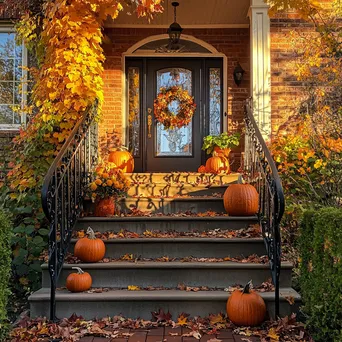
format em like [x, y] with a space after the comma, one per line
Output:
[238, 74]
[175, 30]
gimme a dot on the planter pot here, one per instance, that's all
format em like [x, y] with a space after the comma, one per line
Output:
[105, 207]
[224, 152]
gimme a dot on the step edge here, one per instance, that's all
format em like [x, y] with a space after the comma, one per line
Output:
[166, 218]
[170, 265]
[180, 239]
[43, 294]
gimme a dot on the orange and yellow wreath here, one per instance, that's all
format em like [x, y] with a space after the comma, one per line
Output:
[165, 116]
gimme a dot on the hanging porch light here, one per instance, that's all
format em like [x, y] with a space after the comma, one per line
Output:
[175, 30]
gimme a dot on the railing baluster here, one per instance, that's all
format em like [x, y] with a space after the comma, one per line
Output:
[62, 194]
[260, 169]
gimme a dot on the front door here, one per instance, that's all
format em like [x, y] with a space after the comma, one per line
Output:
[176, 149]
[154, 148]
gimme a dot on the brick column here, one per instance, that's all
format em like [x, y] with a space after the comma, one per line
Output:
[261, 65]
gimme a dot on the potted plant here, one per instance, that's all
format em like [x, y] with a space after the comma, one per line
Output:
[108, 184]
[221, 144]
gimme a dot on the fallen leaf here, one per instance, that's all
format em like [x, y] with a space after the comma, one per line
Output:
[273, 334]
[133, 288]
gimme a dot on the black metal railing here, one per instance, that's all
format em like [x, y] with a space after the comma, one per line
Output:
[63, 191]
[260, 170]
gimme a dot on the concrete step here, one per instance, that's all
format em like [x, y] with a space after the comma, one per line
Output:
[170, 274]
[170, 190]
[136, 304]
[184, 177]
[182, 247]
[172, 205]
[139, 224]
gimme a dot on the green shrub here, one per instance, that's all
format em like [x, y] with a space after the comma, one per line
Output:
[5, 269]
[320, 246]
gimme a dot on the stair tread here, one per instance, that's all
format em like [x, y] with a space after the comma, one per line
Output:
[167, 295]
[171, 199]
[180, 239]
[167, 218]
[171, 264]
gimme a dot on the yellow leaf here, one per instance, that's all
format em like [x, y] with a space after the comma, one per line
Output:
[133, 288]
[273, 334]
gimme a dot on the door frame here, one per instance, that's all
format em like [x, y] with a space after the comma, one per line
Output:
[213, 54]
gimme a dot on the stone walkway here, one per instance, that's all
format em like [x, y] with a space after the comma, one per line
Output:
[164, 335]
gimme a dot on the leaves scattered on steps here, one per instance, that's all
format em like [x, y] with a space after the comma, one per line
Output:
[254, 258]
[136, 212]
[251, 232]
[214, 195]
[266, 286]
[73, 328]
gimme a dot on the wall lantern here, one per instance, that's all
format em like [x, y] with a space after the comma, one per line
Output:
[238, 74]
[175, 30]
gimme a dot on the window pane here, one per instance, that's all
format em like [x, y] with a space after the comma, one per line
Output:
[6, 69]
[178, 141]
[214, 101]
[7, 45]
[18, 70]
[6, 115]
[134, 110]
[17, 93]
[6, 92]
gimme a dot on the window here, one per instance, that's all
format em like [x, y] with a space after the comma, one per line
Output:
[12, 87]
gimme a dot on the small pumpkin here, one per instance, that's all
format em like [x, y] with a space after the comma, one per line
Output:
[217, 164]
[202, 169]
[78, 282]
[90, 248]
[241, 200]
[123, 160]
[246, 307]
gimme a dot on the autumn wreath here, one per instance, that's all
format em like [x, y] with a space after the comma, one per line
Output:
[165, 116]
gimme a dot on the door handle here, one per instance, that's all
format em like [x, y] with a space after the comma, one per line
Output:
[149, 122]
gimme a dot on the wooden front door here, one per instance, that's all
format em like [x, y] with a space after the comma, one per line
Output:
[154, 148]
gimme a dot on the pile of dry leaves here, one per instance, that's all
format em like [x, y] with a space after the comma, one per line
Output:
[73, 328]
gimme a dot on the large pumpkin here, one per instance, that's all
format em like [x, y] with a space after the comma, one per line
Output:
[89, 248]
[241, 200]
[217, 164]
[246, 307]
[78, 282]
[123, 160]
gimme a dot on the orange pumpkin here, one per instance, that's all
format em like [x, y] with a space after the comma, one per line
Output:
[105, 207]
[217, 164]
[89, 248]
[246, 307]
[78, 282]
[123, 160]
[202, 169]
[241, 200]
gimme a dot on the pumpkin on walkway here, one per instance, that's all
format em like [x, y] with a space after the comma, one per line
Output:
[123, 160]
[78, 282]
[217, 164]
[241, 200]
[90, 248]
[246, 307]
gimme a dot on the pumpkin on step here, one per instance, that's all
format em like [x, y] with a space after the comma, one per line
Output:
[90, 248]
[78, 282]
[241, 200]
[123, 160]
[217, 164]
[246, 307]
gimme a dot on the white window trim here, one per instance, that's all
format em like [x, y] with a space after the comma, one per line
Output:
[15, 127]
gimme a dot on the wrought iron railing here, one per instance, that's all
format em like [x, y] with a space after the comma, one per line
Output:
[259, 169]
[63, 192]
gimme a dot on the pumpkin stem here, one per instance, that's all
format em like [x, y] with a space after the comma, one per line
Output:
[247, 287]
[91, 234]
[79, 270]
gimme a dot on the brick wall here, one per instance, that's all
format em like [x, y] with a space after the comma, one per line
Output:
[234, 43]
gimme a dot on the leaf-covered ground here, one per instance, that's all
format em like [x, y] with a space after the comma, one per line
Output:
[74, 328]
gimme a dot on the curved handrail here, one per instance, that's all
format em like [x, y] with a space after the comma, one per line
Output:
[260, 169]
[63, 191]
